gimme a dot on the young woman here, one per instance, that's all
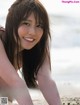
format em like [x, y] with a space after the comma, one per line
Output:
[25, 44]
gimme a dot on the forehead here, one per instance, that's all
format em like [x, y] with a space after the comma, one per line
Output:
[33, 15]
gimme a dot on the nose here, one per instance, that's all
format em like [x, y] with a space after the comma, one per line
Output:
[32, 31]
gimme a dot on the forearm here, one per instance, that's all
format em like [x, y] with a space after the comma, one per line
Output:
[50, 92]
[19, 92]
[23, 97]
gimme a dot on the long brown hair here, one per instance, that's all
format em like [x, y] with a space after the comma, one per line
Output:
[31, 59]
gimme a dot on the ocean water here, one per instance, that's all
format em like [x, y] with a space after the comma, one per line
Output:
[65, 53]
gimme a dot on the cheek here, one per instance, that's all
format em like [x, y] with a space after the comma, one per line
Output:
[21, 31]
[40, 34]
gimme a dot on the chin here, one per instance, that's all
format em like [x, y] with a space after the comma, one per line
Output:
[29, 48]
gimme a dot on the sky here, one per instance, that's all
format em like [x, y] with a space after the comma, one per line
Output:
[58, 7]
[52, 6]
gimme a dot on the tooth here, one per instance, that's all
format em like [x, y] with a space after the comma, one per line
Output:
[29, 39]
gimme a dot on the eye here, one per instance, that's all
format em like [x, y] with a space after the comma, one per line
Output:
[25, 23]
[39, 25]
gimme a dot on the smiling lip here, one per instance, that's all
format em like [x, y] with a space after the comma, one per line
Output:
[29, 39]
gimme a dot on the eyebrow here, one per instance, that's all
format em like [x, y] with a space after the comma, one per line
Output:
[28, 20]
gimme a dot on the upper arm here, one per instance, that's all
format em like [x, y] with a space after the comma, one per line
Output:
[44, 71]
[7, 71]
[17, 88]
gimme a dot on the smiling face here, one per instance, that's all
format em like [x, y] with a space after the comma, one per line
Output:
[30, 32]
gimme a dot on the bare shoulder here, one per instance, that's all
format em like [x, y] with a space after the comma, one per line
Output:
[2, 50]
[4, 61]
[7, 71]
[45, 68]
[3, 57]
[1, 47]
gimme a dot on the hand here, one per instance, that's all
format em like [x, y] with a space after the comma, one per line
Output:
[10, 103]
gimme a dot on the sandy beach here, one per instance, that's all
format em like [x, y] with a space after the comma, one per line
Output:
[36, 97]
[35, 102]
